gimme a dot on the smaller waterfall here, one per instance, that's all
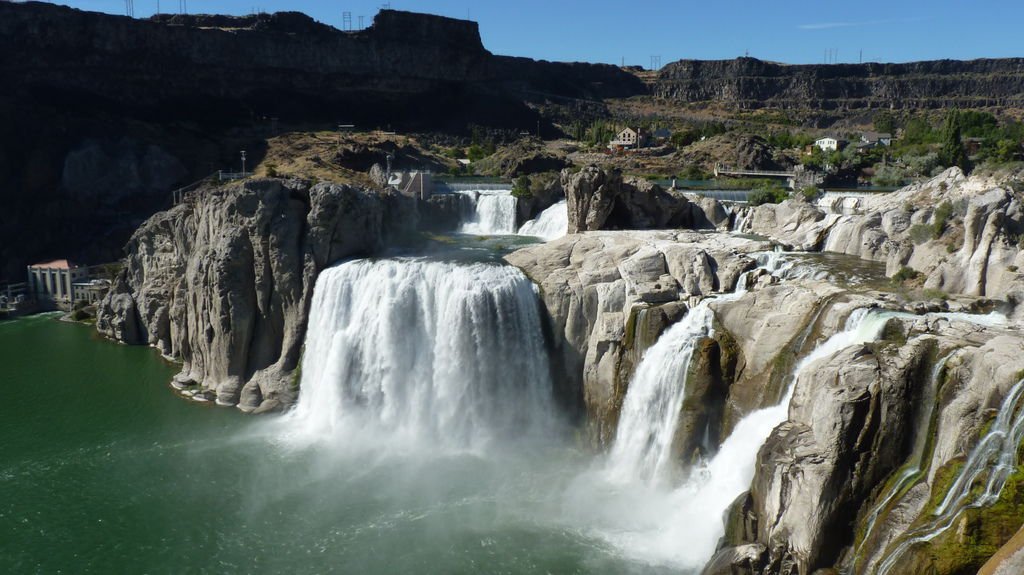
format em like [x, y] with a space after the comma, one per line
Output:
[650, 412]
[740, 220]
[693, 512]
[995, 455]
[493, 212]
[550, 224]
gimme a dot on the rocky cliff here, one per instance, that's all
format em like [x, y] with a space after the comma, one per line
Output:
[748, 83]
[600, 199]
[104, 115]
[610, 294]
[223, 281]
[899, 455]
[961, 234]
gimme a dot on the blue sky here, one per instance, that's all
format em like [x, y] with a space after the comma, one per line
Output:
[610, 31]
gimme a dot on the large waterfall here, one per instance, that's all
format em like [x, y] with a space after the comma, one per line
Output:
[682, 526]
[426, 351]
[492, 212]
[550, 224]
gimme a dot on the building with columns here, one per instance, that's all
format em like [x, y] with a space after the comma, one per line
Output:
[51, 283]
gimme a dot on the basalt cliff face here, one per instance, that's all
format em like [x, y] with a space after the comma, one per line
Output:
[748, 83]
[223, 281]
[104, 115]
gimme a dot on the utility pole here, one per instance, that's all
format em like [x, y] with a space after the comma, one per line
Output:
[360, 22]
[243, 163]
[346, 21]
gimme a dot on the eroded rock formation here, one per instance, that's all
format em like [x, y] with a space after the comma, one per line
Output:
[961, 233]
[609, 294]
[223, 281]
[601, 199]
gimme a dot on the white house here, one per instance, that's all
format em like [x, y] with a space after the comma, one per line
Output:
[628, 138]
[830, 143]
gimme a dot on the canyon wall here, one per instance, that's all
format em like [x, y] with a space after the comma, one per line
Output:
[748, 83]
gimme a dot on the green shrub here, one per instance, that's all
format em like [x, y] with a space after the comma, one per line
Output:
[940, 218]
[921, 233]
[932, 293]
[810, 192]
[521, 188]
[905, 274]
[767, 195]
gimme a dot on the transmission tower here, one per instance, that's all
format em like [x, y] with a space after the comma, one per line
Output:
[129, 8]
[183, 6]
[655, 62]
[346, 21]
[360, 22]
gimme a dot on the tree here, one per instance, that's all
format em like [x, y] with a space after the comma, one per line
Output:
[885, 123]
[952, 152]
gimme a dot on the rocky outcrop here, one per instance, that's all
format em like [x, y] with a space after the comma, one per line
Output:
[840, 481]
[961, 233]
[609, 294]
[748, 83]
[601, 199]
[223, 281]
[522, 158]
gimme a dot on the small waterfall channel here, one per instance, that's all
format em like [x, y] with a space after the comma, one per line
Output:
[550, 224]
[991, 461]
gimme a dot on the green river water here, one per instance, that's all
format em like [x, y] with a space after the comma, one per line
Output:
[105, 470]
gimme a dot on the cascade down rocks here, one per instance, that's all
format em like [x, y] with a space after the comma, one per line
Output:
[595, 287]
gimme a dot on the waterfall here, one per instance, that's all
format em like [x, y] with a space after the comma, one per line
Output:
[493, 212]
[550, 224]
[650, 411]
[740, 221]
[424, 351]
[684, 526]
[995, 456]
